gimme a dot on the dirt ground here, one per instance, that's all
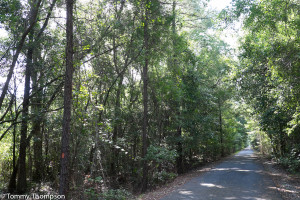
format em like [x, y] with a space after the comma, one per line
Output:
[286, 183]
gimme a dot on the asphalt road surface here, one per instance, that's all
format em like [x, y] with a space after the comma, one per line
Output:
[239, 177]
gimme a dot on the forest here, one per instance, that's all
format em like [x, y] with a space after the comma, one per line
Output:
[106, 99]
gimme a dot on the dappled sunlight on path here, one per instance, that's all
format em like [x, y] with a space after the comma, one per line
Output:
[239, 177]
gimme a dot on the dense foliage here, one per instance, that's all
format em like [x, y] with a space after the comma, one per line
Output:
[269, 73]
[155, 92]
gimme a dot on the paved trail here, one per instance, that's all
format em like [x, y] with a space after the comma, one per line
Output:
[239, 177]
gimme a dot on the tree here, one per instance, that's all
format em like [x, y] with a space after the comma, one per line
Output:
[151, 96]
[267, 75]
[32, 16]
[64, 169]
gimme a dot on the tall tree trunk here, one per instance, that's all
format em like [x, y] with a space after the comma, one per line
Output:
[12, 182]
[158, 116]
[47, 160]
[64, 171]
[179, 159]
[14, 146]
[29, 155]
[117, 112]
[37, 107]
[221, 129]
[21, 184]
[36, 127]
[282, 140]
[117, 128]
[145, 100]
[33, 14]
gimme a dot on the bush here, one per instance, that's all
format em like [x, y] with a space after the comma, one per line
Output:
[161, 155]
[94, 187]
[292, 161]
[119, 194]
[91, 194]
[293, 165]
[163, 177]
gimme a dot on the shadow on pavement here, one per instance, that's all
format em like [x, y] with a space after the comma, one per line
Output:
[239, 177]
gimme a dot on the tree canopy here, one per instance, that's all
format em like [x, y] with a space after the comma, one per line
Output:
[106, 98]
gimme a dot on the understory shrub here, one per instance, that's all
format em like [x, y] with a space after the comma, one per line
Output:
[162, 177]
[292, 161]
[119, 194]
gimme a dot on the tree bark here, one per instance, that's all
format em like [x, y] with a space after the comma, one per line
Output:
[145, 100]
[64, 186]
[36, 129]
[221, 129]
[179, 159]
[12, 182]
[21, 184]
[117, 128]
[37, 107]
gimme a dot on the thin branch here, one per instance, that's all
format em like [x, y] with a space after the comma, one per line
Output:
[3, 56]
[9, 106]
[47, 20]
[100, 54]
[6, 131]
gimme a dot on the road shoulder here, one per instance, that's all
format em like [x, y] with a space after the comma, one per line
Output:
[286, 183]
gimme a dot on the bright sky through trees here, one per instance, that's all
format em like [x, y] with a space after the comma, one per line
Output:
[219, 4]
[231, 34]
